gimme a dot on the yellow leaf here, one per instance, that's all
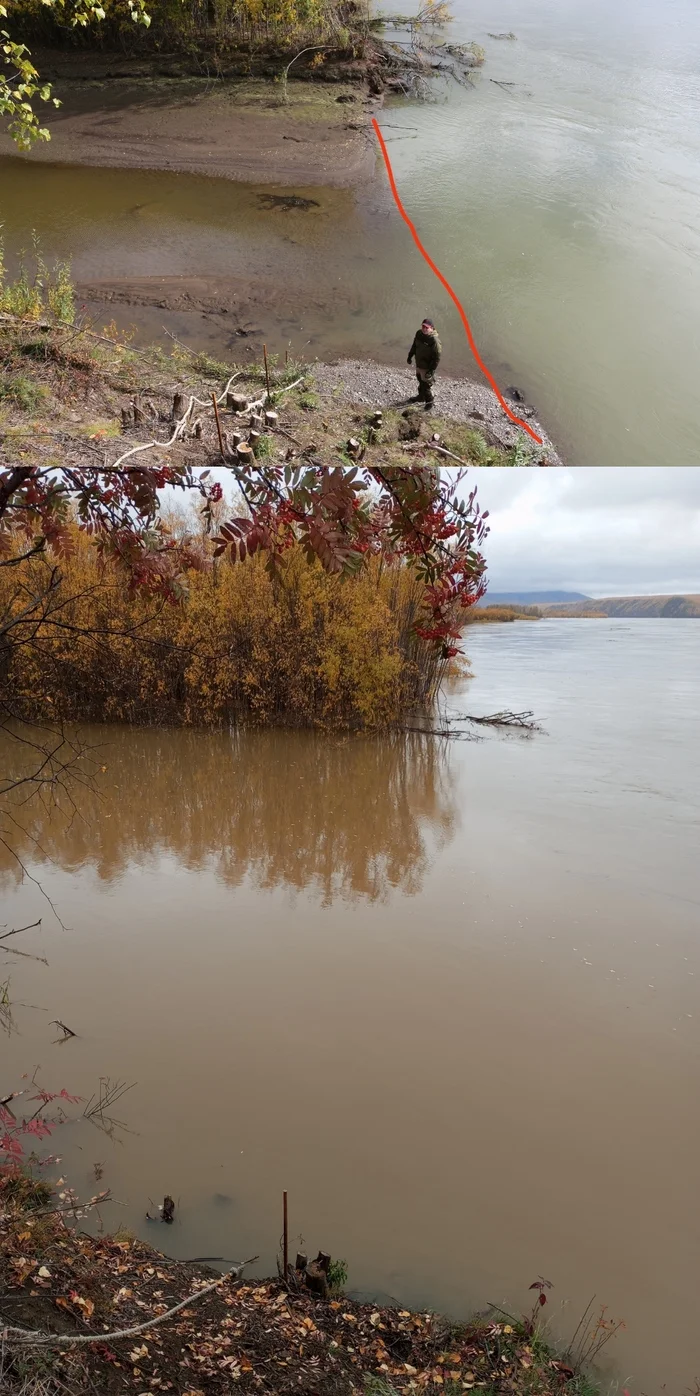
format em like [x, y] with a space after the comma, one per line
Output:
[507, 1328]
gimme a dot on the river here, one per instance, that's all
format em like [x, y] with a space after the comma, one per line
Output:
[443, 994]
[563, 205]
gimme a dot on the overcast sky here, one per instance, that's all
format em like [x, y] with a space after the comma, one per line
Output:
[605, 532]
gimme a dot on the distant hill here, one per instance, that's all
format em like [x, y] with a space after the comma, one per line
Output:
[639, 607]
[530, 598]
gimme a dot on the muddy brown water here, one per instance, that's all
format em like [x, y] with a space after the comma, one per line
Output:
[446, 995]
[560, 195]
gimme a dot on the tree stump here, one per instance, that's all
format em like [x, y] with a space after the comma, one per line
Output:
[197, 430]
[168, 1209]
[127, 418]
[244, 453]
[236, 402]
[253, 438]
[271, 419]
[178, 411]
[139, 414]
[301, 1261]
[409, 427]
[256, 421]
[316, 1279]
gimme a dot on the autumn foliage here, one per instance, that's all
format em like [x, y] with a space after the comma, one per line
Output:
[325, 597]
[303, 647]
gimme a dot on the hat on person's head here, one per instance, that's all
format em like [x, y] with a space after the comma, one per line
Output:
[427, 321]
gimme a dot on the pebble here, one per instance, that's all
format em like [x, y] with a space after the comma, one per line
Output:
[457, 399]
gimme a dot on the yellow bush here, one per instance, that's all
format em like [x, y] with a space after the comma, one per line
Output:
[300, 647]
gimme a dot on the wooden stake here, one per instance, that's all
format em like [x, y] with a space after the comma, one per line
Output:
[267, 370]
[218, 426]
[285, 1239]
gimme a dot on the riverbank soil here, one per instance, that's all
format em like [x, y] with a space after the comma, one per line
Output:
[73, 394]
[243, 1335]
[238, 129]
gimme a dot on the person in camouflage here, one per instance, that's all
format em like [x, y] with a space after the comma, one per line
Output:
[426, 349]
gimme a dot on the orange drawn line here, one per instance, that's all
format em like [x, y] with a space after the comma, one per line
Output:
[518, 420]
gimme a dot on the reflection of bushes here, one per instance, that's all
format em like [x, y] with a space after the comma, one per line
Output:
[301, 646]
[348, 817]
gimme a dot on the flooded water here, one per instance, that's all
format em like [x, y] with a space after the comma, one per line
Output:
[446, 995]
[564, 205]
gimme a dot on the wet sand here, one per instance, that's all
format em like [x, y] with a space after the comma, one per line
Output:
[240, 130]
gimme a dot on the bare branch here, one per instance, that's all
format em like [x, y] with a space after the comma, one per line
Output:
[35, 1339]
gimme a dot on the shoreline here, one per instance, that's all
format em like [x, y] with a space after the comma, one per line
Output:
[240, 129]
[368, 384]
[124, 117]
[147, 1322]
[466, 427]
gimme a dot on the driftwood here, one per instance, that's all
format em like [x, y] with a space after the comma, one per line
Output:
[409, 65]
[524, 721]
[505, 719]
[179, 428]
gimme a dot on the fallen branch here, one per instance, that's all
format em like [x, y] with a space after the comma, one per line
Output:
[180, 427]
[443, 732]
[56, 1022]
[504, 719]
[19, 930]
[36, 1339]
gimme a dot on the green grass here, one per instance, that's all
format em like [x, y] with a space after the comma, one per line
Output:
[22, 391]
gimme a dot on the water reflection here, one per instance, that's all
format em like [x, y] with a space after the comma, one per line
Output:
[344, 818]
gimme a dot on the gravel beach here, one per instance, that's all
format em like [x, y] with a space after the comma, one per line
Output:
[459, 399]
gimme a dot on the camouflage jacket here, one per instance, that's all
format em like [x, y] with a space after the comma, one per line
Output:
[426, 349]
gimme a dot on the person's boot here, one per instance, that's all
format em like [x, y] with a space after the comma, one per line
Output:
[429, 402]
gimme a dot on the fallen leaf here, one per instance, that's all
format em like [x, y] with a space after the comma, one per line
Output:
[44, 1274]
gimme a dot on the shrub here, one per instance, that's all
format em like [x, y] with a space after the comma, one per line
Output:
[299, 645]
